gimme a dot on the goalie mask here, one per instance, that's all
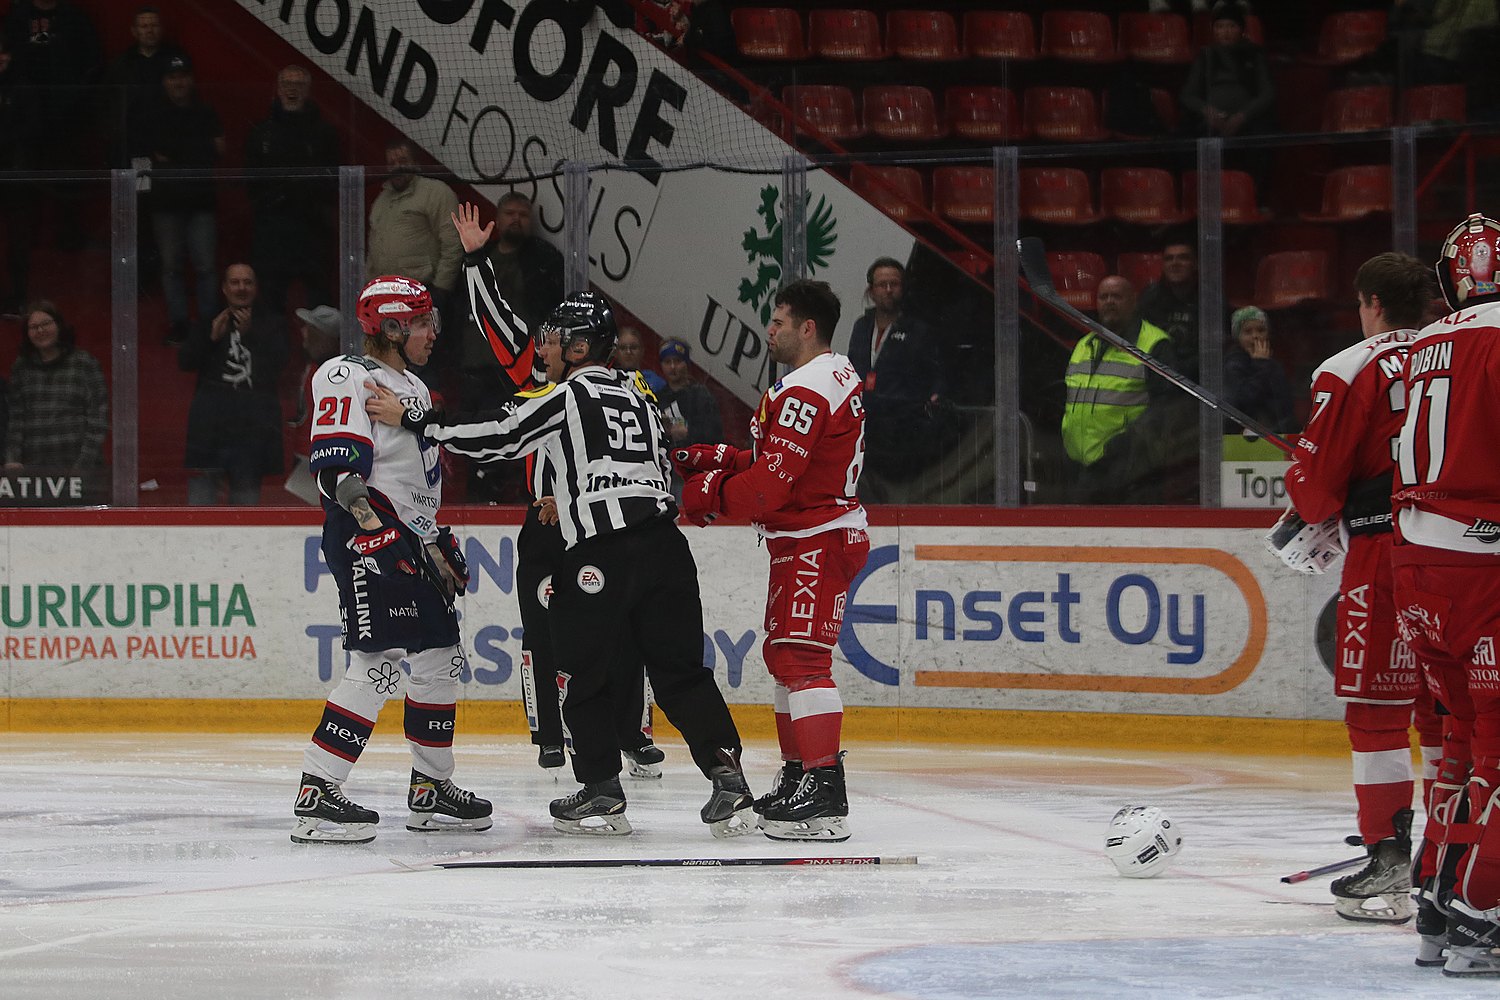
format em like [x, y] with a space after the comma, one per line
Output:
[586, 317]
[389, 305]
[1141, 841]
[1466, 266]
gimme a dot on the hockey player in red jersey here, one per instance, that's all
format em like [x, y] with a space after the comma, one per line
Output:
[1343, 466]
[797, 486]
[1447, 571]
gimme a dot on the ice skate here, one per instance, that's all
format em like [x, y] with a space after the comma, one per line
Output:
[597, 809]
[817, 810]
[440, 805]
[729, 810]
[550, 756]
[325, 815]
[1473, 941]
[788, 777]
[1380, 892]
[645, 762]
[1432, 931]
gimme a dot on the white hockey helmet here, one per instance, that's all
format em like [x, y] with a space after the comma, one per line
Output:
[1141, 841]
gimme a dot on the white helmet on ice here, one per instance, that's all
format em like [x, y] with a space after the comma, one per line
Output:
[1141, 841]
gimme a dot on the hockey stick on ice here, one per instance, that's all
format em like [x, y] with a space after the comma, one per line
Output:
[1034, 267]
[676, 862]
[1337, 866]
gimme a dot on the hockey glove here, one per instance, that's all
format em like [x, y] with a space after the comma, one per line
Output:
[703, 497]
[415, 417]
[450, 560]
[1306, 548]
[384, 552]
[699, 458]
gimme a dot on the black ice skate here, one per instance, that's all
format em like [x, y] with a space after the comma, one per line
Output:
[551, 755]
[788, 777]
[817, 810]
[325, 815]
[1473, 941]
[597, 808]
[439, 805]
[1380, 892]
[1432, 931]
[645, 762]
[728, 811]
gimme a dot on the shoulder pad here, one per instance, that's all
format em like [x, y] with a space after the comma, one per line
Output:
[362, 361]
[539, 391]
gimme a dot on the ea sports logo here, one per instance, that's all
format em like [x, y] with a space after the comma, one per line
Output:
[591, 579]
[544, 591]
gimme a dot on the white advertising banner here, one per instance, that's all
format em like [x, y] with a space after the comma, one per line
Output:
[1206, 623]
[502, 92]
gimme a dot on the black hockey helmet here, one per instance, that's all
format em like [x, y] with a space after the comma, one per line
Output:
[584, 316]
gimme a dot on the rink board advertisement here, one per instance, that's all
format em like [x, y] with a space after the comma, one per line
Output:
[1179, 621]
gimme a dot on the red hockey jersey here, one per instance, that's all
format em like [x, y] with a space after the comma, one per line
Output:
[809, 442]
[1359, 402]
[1447, 479]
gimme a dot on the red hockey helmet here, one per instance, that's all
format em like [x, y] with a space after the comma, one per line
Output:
[388, 305]
[1470, 256]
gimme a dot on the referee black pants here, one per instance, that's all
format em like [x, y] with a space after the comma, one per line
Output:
[625, 594]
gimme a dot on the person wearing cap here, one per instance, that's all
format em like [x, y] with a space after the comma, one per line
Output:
[1228, 90]
[689, 411]
[1254, 381]
[182, 132]
[322, 335]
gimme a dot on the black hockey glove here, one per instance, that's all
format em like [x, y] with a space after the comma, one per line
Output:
[384, 552]
[453, 559]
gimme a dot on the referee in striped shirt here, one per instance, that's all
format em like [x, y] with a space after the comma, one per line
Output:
[627, 584]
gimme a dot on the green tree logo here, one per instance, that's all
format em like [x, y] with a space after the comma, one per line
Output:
[822, 235]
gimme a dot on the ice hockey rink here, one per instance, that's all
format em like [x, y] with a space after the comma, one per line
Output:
[136, 866]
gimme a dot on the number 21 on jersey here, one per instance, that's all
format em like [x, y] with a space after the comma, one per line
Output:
[333, 411]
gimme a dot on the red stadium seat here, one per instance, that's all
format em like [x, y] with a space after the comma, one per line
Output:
[1140, 269]
[907, 114]
[1357, 109]
[987, 114]
[1443, 102]
[999, 34]
[971, 262]
[1140, 196]
[1063, 114]
[929, 35]
[1057, 195]
[1078, 36]
[1156, 38]
[1290, 278]
[896, 191]
[827, 110]
[964, 194]
[845, 35]
[768, 33]
[1239, 205]
[1166, 109]
[1348, 36]
[1353, 193]
[1076, 276]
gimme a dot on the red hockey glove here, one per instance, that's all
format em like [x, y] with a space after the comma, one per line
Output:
[698, 458]
[384, 551]
[703, 497]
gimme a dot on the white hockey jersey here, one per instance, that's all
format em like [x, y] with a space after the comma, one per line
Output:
[401, 465]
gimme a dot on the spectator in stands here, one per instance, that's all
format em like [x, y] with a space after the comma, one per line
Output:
[49, 58]
[1254, 381]
[294, 218]
[234, 422]
[134, 79]
[1228, 90]
[322, 336]
[629, 352]
[1126, 429]
[59, 410]
[411, 233]
[689, 411]
[184, 133]
[1171, 302]
[901, 363]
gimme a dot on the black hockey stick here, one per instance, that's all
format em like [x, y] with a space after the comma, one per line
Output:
[676, 862]
[1337, 866]
[1034, 267]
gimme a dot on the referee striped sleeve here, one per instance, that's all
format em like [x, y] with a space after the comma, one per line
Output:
[509, 338]
[522, 428]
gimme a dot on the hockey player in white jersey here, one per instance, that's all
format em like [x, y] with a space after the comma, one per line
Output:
[397, 573]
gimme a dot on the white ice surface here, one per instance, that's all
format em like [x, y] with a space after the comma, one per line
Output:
[160, 867]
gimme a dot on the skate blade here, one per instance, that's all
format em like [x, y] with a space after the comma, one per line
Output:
[438, 823]
[1387, 908]
[1466, 961]
[832, 829]
[310, 831]
[645, 770]
[607, 826]
[743, 822]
